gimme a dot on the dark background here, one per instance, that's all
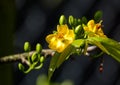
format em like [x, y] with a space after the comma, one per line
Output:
[34, 19]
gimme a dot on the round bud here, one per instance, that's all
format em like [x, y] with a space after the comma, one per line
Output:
[78, 29]
[21, 67]
[27, 46]
[62, 20]
[42, 59]
[71, 20]
[38, 48]
[34, 57]
[79, 21]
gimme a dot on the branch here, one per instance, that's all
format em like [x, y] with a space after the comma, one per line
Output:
[22, 56]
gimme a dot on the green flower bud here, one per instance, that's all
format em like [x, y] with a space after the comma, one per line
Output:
[38, 48]
[71, 20]
[84, 20]
[98, 16]
[21, 67]
[79, 21]
[62, 20]
[34, 57]
[27, 46]
[75, 22]
[79, 31]
[42, 59]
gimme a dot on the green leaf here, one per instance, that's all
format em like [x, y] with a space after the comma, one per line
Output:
[65, 54]
[97, 43]
[115, 53]
[112, 46]
[78, 43]
[110, 42]
[98, 16]
[52, 66]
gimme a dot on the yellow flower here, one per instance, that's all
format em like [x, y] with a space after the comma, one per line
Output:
[61, 39]
[94, 29]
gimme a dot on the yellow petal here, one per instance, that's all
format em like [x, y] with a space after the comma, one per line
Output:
[95, 29]
[91, 25]
[50, 37]
[101, 33]
[70, 36]
[57, 45]
[62, 29]
[60, 46]
[86, 28]
[53, 45]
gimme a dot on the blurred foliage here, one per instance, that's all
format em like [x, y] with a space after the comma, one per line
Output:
[43, 80]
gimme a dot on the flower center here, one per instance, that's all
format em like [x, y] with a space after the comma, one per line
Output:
[60, 35]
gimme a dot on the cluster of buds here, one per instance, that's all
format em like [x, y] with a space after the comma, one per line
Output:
[34, 61]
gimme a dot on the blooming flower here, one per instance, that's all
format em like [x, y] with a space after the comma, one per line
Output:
[94, 29]
[61, 39]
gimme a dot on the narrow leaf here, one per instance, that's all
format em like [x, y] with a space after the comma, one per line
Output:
[78, 43]
[98, 44]
[52, 66]
[65, 54]
[114, 52]
[112, 46]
